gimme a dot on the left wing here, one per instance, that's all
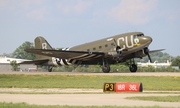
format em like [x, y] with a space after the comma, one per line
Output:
[36, 62]
[75, 55]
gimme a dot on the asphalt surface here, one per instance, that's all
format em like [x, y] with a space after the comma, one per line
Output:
[90, 97]
[86, 99]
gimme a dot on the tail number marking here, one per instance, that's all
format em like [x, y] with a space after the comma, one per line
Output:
[44, 45]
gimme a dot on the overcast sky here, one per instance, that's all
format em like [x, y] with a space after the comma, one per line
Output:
[66, 23]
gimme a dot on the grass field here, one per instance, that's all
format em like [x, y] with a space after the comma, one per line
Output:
[25, 105]
[85, 81]
[161, 83]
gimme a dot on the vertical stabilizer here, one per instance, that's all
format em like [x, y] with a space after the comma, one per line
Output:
[41, 43]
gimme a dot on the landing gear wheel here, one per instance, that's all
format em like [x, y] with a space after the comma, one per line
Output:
[106, 68]
[133, 68]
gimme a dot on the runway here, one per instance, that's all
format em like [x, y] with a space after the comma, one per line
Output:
[84, 97]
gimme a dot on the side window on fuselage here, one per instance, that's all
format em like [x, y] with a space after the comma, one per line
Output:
[100, 47]
[94, 48]
[112, 44]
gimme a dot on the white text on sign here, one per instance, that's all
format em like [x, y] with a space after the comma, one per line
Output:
[132, 87]
[121, 87]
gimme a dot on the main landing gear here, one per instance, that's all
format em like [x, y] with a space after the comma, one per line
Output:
[105, 66]
[133, 66]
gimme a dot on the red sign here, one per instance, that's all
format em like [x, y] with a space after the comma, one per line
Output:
[128, 87]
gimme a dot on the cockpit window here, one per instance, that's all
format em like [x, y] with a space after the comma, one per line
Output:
[140, 35]
[135, 36]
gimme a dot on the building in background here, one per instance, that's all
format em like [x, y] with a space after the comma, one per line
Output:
[155, 64]
[5, 64]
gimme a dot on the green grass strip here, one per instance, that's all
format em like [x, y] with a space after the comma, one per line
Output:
[85, 81]
[25, 105]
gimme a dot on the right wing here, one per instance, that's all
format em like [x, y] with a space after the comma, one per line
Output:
[153, 51]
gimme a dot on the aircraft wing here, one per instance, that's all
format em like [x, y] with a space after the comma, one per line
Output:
[75, 55]
[156, 50]
[37, 62]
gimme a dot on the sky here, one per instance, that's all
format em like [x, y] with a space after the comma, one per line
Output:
[67, 23]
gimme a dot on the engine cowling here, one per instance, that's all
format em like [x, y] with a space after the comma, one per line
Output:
[116, 54]
[113, 54]
[140, 54]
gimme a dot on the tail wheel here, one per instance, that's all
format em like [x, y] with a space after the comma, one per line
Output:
[50, 69]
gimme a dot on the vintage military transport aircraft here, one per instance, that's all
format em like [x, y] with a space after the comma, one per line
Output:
[111, 50]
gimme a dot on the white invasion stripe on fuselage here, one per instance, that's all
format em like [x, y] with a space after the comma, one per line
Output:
[54, 61]
[65, 62]
[68, 62]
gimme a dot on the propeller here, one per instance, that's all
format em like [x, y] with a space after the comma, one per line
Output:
[146, 51]
[149, 57]
[118, 49]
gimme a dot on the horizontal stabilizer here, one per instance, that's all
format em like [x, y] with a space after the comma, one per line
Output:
[36, 62]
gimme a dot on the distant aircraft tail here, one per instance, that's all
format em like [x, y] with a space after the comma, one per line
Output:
[41, 43]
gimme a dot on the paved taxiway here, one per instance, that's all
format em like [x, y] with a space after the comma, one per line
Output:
[89, 98]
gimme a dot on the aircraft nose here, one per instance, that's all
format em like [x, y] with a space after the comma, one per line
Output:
[147, 39]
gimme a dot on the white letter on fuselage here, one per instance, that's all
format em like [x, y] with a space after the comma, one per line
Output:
[127, 45]
[118, 42]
